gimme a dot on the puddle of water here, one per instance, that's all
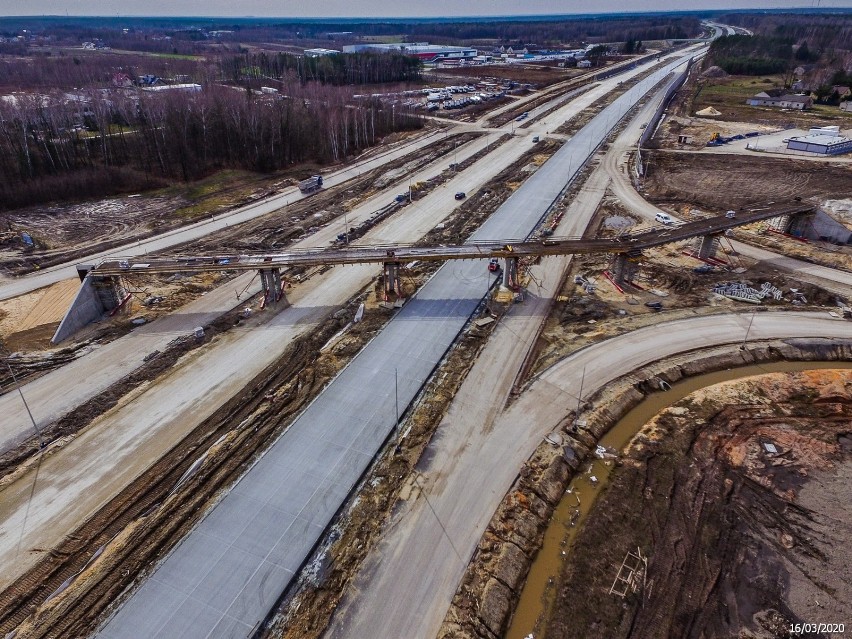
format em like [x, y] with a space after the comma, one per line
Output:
[618, 222]
[537, 597]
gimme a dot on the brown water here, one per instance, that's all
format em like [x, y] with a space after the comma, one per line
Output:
[537, 596]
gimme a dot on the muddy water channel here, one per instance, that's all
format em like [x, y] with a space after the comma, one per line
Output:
[539, 591]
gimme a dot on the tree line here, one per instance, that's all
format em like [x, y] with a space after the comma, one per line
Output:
[751, 55]
[104, 142]
[341, 69]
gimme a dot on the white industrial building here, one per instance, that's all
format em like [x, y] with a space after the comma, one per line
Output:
[423, 50]
[316, 53]
[823, 141]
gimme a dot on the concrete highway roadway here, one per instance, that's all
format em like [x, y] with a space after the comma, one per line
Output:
[415, 607]
[77, 480]
[222, 579]
[476, 451]
[475, 461]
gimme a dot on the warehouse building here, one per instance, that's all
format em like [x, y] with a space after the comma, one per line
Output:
[822, 141]
[423, 50]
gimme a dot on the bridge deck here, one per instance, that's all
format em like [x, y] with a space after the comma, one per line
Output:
[472, 250]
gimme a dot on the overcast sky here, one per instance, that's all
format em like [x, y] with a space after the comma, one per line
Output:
[377, 8]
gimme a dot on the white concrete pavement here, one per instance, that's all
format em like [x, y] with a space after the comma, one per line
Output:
[391, 576]
[324, 440]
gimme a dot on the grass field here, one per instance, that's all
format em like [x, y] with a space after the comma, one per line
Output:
[728, 95]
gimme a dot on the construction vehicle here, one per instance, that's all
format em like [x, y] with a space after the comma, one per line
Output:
[313, 183]
[494, 265]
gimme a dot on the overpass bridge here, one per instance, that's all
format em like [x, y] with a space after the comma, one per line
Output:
[103, 288]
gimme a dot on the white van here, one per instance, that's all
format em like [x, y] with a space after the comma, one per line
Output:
[664, 218]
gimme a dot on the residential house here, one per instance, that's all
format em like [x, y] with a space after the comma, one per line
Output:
[778, 98]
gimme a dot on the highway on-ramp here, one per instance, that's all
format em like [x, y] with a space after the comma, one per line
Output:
[226, 574]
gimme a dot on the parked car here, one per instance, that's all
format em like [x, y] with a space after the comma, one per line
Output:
[654, 305]
[460, 195]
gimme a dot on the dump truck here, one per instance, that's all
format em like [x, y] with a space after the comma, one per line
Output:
[313, 183]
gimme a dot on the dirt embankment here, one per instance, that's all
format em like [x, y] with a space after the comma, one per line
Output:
[492, 583]
[742, 541]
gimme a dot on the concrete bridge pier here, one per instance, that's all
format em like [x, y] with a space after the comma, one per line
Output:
[510, 274]
[708, 246]
[270, 280]
[392, 280]
[624, 267]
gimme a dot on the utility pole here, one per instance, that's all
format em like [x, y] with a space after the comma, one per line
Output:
[396, 393]
[751, 321]
[41, 443]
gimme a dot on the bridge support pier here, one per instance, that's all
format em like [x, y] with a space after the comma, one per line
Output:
[798, 224]
[707, 247]
[510, 274]
[270, 280]
[392, 279]
[624, 268]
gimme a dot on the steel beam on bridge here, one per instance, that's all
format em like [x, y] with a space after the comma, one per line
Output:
[469, 251]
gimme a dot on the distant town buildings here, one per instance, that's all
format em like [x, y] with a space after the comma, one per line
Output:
[190, 88]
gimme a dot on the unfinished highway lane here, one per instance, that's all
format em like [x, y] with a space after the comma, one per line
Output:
[223, 578]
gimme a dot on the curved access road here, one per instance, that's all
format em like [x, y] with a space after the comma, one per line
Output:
[477, 463]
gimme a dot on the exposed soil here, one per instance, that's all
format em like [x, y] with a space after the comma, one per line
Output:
[741, 541]
[274, 231]
[721, 182]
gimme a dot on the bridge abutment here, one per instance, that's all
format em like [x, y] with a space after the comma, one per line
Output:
[97, 295]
